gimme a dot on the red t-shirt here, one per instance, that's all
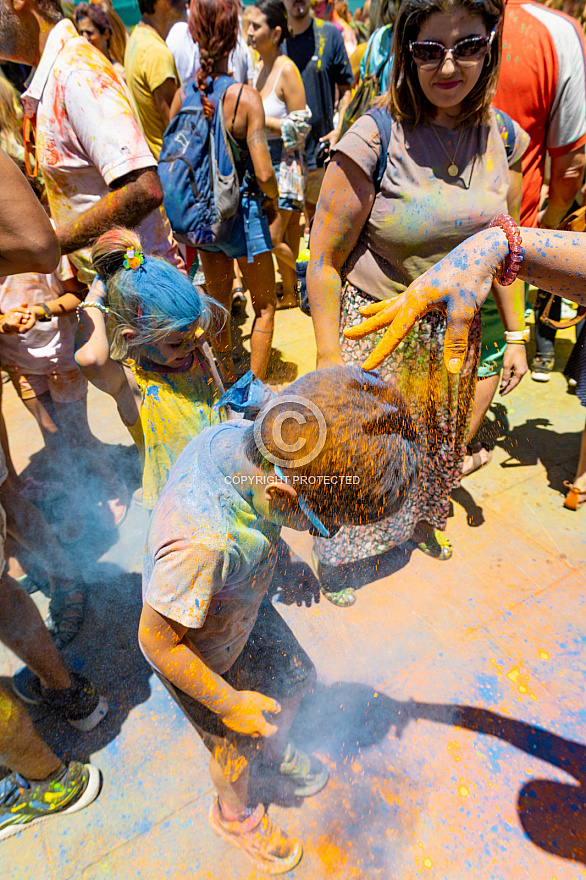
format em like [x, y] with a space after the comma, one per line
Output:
[542, 85]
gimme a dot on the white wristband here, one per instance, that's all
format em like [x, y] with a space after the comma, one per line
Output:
[517, 335]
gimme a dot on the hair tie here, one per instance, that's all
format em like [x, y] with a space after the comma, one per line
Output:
[133, 258]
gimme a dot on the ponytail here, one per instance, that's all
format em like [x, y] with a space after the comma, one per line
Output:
[214, 25]
[145, 294]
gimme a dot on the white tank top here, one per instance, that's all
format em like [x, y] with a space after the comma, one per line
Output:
[273, 106]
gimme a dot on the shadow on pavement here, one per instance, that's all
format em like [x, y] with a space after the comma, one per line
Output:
[474, 513]
[531, 443]
[343, 718]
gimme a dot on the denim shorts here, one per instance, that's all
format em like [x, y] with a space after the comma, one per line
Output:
[251, 235]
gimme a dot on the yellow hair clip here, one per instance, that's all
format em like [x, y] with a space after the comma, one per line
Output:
[133, 259]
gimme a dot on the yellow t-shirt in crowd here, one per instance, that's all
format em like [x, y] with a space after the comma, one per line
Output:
[149, 62]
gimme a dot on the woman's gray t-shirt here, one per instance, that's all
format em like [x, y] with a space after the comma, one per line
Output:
[421, 213]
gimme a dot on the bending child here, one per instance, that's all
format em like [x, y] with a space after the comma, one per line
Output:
[348, 456]
[139, 340]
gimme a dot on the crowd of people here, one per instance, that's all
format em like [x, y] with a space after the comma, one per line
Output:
[421, 150]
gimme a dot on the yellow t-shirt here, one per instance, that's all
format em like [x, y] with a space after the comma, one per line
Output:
[149, 62]
[176, 407]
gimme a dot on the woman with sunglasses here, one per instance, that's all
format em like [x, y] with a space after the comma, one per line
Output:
[452, 165]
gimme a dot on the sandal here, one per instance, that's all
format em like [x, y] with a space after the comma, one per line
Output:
[575, 497]
[238, 297]
[475, 451]
[437, 546]
[342, 598]
[67, 614]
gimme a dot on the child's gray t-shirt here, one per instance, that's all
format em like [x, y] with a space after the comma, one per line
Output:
[208, 560]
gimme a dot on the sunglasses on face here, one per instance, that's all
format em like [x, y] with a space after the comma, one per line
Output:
[429, 55]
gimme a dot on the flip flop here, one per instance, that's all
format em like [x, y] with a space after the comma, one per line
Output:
[438, 546]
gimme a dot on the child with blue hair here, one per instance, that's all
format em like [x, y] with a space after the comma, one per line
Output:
[140, 339]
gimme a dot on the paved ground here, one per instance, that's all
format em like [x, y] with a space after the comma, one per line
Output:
[449, 706]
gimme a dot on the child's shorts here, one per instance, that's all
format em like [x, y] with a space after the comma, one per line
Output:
[272, 663]
[64, 387]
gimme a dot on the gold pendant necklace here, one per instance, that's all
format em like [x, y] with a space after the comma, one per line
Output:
[453, 169]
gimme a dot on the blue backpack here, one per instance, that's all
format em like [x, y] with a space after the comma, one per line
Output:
[201, 191]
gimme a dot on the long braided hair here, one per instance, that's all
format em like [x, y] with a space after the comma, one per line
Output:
[214, 27]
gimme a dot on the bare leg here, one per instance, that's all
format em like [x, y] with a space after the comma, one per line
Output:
[260, 280]
[238, 282]
[580, 478]
[233, 795]
[483, 397]
[310, 208]
[6, 448]
[23, 631]
[286, 255]
[26, 523]
[21, 748]
[218, 270]
[41, 408]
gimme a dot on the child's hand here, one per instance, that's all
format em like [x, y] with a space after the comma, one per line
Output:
[97, 292]
[247, 714]
[18, 320]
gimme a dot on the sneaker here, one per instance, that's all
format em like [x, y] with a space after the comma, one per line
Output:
[81, 705]
[307, 774]
[24, 802]
[273, 851]
[541, 368]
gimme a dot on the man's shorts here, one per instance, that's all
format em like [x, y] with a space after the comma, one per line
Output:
[272, 663]
[315, 177]
[64, 387]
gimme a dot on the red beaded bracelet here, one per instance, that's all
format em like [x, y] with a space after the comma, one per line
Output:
[512, 263]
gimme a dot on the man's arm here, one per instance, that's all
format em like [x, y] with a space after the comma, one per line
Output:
[133, 197]
[567, 174]
[164, 95]
[345, 97]
[27, 240]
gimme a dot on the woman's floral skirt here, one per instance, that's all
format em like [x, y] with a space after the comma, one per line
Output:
[440, 404]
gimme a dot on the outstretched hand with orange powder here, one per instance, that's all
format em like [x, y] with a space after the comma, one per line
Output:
[456, 286]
